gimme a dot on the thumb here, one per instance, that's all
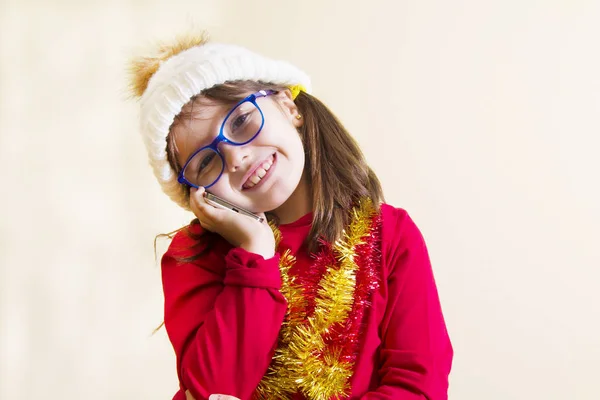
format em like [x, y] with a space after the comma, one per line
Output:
[222, 397]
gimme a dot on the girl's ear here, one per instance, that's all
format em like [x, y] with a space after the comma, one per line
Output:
[289, 108]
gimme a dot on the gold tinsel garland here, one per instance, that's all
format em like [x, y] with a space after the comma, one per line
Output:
[303, 363]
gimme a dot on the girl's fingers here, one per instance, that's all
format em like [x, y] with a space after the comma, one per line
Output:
[197, 196]
[188, 396]
[199, 205]
[214, 214]
[201, 208]
[222, 397]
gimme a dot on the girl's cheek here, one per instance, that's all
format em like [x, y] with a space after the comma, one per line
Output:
[219, 188]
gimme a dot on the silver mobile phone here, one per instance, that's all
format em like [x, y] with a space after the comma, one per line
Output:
[222, 203]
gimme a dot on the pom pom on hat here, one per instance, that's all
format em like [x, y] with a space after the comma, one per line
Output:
[142, 68]
[166, 81]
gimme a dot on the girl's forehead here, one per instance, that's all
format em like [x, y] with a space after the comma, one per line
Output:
[203, 109]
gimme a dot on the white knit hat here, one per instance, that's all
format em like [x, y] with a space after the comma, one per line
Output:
[185, 72]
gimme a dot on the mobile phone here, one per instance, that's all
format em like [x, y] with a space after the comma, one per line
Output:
[222, 203]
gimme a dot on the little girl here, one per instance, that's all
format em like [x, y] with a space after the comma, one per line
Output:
[333, 295]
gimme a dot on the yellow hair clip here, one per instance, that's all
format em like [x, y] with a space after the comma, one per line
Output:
[296, 89]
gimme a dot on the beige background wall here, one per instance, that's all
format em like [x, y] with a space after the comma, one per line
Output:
[481, 118]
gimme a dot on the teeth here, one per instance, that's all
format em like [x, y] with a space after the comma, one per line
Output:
[259, 173]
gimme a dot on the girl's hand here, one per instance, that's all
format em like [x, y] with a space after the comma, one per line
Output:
[188, 396]
[237, 229]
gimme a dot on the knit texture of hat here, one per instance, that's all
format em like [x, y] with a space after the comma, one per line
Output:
[167, 82]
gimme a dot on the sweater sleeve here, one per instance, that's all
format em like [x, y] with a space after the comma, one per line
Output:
[416, 354]
[223, 313]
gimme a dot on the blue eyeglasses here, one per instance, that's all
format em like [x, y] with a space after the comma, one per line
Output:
[241, 126]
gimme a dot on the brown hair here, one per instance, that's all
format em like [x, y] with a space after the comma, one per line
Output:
[335, 166]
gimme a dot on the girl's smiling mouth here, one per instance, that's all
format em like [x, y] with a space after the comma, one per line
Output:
[260, 173]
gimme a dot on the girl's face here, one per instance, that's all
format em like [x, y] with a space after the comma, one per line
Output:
[262, 175]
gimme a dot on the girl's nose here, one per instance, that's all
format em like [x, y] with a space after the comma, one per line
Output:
[236, 157]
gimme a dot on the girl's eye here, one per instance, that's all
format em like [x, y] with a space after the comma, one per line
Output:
[206, 162]
[239, 121]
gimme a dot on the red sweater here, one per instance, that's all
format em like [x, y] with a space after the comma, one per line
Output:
[223, 314]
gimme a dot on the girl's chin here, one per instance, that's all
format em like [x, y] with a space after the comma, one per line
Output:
[268, 207]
